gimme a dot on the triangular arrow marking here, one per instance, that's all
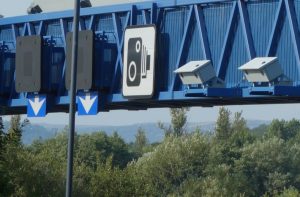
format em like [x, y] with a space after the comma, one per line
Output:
[87, 102]
[36, 104]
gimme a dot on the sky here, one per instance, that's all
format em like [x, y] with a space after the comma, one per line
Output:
[196, 114]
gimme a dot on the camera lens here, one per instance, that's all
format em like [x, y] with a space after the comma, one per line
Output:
[138, 46]
[132, 71]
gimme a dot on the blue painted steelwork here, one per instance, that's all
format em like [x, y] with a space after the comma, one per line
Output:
[214, 92]
[227, 32]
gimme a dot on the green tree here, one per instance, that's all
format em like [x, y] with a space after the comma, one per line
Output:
[240, 132]
[276, 128]
[110, 181]
[260, 130]
[266, 165]
[16, 129]
[178, 122]
[223, 127]
[2, 135]
[284, 129]
[3, 180]
[9, 162]
[140, 140]
[177, 159]
[119, 151]
[290, 192]
[36, 170]
[239, 123]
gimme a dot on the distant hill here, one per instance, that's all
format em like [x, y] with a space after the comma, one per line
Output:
[127, 132]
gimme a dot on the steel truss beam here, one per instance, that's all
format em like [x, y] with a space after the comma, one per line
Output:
[227, 32]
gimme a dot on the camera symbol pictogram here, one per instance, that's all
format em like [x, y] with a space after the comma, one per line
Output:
[138, 61]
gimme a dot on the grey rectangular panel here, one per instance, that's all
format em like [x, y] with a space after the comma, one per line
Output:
[28, 64]
[84, 60]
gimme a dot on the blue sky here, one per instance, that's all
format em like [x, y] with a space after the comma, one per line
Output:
[196, 114]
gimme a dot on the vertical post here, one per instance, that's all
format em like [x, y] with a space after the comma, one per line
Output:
[72, 106]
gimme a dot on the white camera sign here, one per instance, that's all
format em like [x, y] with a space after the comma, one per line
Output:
[139, 62]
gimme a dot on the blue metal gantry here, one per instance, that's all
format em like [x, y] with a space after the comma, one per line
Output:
[227, 32]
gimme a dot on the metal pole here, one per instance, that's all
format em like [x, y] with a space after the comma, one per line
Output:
[72, 106]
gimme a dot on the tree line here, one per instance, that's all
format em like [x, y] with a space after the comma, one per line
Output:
[233, 160]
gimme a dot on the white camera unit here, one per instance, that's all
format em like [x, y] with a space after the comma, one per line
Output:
[262, 69]
[196, 72]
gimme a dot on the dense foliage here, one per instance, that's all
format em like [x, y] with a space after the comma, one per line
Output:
[232, 161]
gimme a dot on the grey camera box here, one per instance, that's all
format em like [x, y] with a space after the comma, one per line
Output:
[262, 69]
[196, 72]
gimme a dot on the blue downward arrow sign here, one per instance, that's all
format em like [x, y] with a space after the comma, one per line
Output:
[88, 104]
[36, 106]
